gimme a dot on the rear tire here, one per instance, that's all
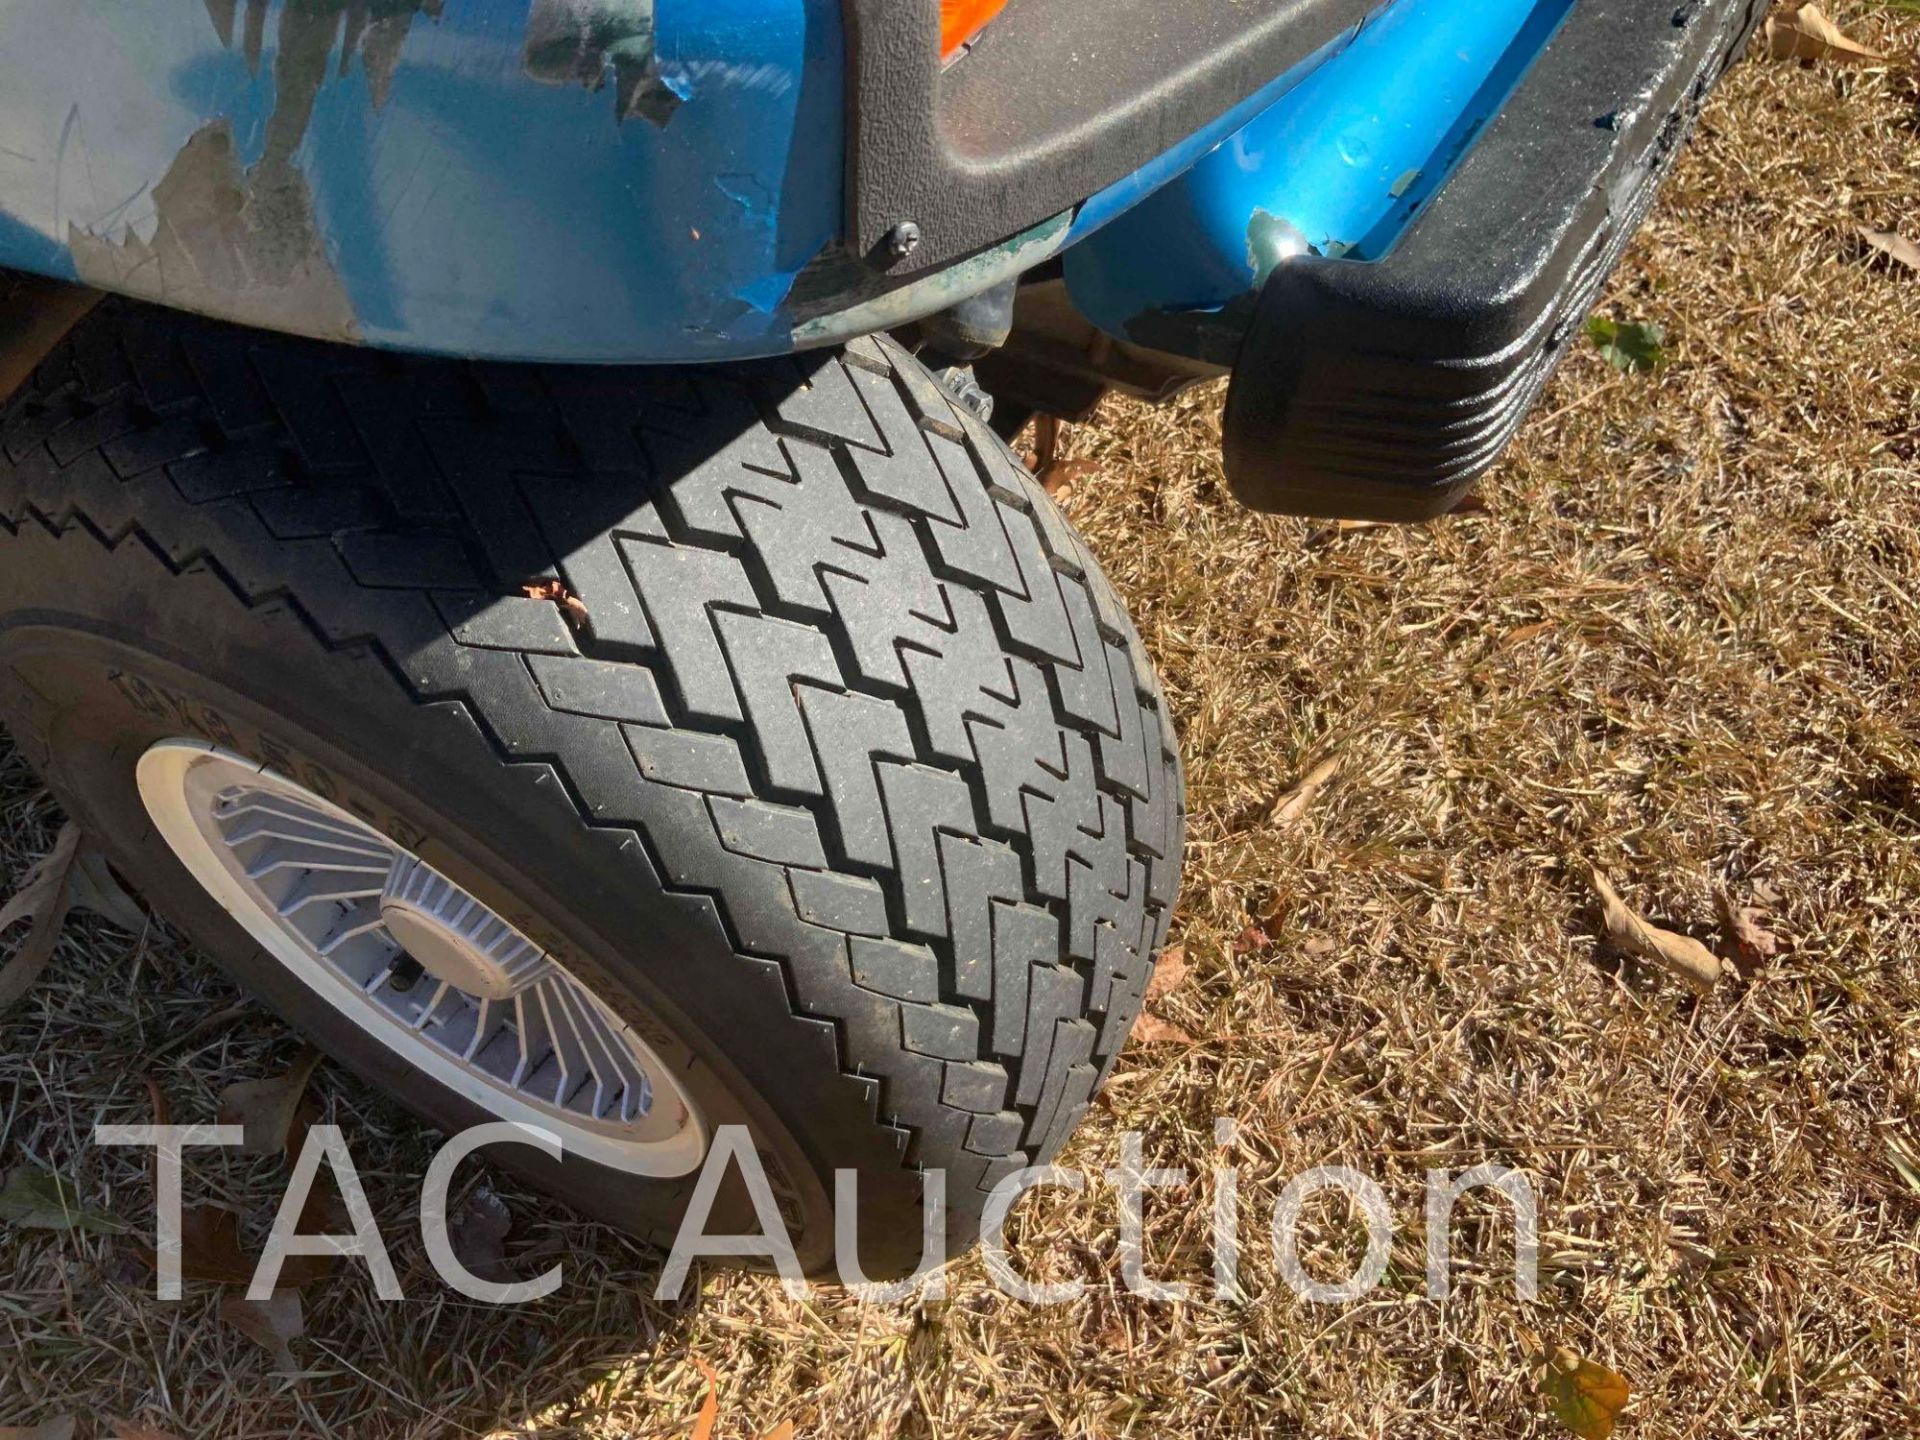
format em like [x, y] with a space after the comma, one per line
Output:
[829, 760]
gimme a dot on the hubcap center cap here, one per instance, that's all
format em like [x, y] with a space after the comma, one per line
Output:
[454, 937]
[442, 954]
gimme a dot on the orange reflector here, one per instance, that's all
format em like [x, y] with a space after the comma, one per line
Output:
[961, 20]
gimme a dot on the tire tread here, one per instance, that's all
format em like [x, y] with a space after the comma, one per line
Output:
[850, 680]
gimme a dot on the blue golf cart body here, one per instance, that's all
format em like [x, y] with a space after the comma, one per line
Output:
[1419, 193]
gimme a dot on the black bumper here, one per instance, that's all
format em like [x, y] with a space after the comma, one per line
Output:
[1384, 390]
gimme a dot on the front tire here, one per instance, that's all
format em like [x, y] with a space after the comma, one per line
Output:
[779, 706]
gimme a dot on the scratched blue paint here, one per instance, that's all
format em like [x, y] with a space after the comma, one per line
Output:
[1117, 199]
[1338, 165]
[436, 194]
[476, 211]
[28, 249]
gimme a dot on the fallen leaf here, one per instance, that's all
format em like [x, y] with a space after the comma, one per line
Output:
[1274, 921]
[710, 1407]
[210, 1246]
[1586, 1396]
[1628, 345]
[95, 889]
[156, 1097]
[1251, 939]
[1887, 242]
[1168, 971]
[267, 1109]
[41, 1200]
[1685, 958]
[1293, 804]
[209, 1236]
[478, 1235]
[1805, 33]
[128, 1430]
[1152, 1030]
[570, 604]
[1058, 478]
[60, 1427]
[43, 900]
[1526, 633]
[273, 1323]
[1753, 943]
[782, 1431]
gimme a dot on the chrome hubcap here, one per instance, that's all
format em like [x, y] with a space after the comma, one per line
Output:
[416, 961]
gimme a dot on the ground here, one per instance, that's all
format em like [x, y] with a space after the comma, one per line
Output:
[1681, 641]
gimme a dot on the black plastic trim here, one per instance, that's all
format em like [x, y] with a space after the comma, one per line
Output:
[1057, 100]
[1384, 390]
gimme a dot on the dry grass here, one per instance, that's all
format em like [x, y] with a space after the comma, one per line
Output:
[1683, 641]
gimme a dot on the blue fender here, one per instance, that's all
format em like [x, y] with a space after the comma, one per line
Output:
[560, 179]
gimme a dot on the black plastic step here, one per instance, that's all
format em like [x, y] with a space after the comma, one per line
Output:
[1383, 390]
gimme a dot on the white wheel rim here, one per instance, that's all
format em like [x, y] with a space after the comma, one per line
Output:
[326, 895]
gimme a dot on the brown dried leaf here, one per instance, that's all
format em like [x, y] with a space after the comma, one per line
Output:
[1753, 944]
[273, 1323]
[709, 1407]
[1253, 938]
[210, 1237]
[1059, 478]
[162, 1112]
[571, 604]
[782, 1431]
[1587, 1397]
[268, 1108]
[1805, 33]
[1293, 804]
[1892, 244]
[95, 889]
[43, 900]
[1168, 972]
[1152, 1030]
[210, 1246]
[1686, 959]
[324, 1213]
[1527, 632]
